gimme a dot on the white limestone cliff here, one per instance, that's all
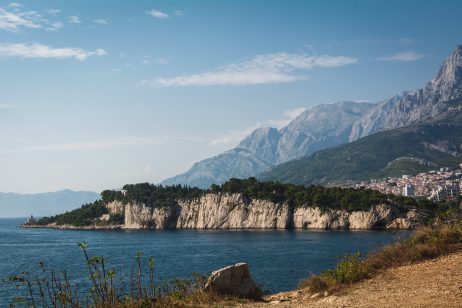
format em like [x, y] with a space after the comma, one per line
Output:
[235, 211]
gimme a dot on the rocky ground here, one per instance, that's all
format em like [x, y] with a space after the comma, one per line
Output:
[434, 283]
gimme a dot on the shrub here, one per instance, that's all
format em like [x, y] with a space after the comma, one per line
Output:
[83, 216]
[424, 243]
[116, 219]
[348, 270]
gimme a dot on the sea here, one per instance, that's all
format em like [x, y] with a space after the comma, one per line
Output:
[278, 259]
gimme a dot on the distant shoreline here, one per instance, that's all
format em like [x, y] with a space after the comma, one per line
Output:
[71, 227]
[122, 227]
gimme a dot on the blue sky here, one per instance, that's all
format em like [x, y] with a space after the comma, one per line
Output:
[96, 96]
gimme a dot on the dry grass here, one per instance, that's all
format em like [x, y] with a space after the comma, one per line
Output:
[425, 243]
[195, 299]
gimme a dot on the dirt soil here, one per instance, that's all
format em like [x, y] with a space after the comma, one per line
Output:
[434, 283]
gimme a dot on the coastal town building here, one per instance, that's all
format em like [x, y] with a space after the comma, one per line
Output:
[446, 191]
[409, 190]
[438, 185]
[31, 220]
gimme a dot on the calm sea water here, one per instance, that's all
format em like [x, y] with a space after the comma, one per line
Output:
[278, 259]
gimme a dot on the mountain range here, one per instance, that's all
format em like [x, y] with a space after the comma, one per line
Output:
[412, 149]
[326, 126]
[43, 204]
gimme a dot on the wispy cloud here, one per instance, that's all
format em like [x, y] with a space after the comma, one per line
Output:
[15, 5]
[178, 13]
[74, 19]
[13, 21]
[55, 26]
[5, 106]
[262, 69]
[162, 61]
[233, 137]
[287, 117]
[113, 143]
[94, 145]
[149, 60]
[100, 21]
[407, 56]
[140, 174]
[53, 11]
[28, 51]
[158, 14]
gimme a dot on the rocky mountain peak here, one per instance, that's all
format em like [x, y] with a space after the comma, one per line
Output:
[413, 106]
[448, 80]
[319, 127]
[328, 117]
[263, 141]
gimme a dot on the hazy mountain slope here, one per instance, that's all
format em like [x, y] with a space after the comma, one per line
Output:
[263, 142]
[317, 128]
[43, 204]
[423, 145]
[238, 163]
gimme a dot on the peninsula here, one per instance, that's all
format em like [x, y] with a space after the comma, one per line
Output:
[245, 204]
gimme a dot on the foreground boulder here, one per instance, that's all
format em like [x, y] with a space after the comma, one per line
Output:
[233, 280]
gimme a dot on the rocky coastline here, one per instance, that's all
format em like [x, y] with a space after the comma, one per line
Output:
[236, 211]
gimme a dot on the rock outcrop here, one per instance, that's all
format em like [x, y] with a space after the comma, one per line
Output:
[236, 211]
[233, 280]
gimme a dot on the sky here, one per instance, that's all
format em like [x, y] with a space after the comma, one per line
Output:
[94, 96]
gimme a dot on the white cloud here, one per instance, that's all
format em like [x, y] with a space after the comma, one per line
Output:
[28, 51]
[158, 14]
[293, 113]
[94, 145]
[262, 69]
[13, 21]
[5, 106]
[55, 26]
[113, 143]
[178, 13]
[75, 19]
[100, 21]
[288, 116]
[161, 61]
[233, 137]
[407, 56]
[15, 5]
[148, 60]
[141, 174]
[53, 11]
